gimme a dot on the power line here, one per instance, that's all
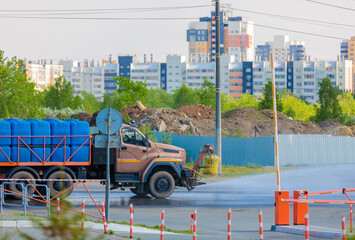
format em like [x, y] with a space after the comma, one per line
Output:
[98, 18]
[331, 5]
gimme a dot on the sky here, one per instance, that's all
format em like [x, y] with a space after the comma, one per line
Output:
[97, 39]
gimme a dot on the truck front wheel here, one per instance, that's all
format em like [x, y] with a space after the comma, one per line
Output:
[57, 187]
[161, 185]
[18, 189]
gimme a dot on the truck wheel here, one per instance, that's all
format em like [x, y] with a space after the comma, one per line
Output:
[57, 187]
[140, 193]
[161, 185]
[16, 188]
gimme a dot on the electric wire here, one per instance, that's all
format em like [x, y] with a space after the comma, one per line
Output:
[331, 5]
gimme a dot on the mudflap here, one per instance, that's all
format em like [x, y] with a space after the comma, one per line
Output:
[190, 183]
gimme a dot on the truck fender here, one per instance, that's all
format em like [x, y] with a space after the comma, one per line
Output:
[28, 169]
[50, 170]
[154, 164]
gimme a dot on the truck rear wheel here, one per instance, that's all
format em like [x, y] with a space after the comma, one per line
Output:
[57, 187]
[161, 185]
[16, 188]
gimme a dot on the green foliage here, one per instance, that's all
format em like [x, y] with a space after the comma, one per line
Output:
[147, 129]
[61, 95]
[297, 109]
[158, 98]
[166, 138]
[207, 94]
[130, 91]
[329, 107]
[239, 133]
[227, 103]
[247, 100]
[91, 104]
[112, 101]
[266, 101]
[184, 96]
[18, 96]
[68, 227]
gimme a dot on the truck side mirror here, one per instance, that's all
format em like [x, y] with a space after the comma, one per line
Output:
[146, 140]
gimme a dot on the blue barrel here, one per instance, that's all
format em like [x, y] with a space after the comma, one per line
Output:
[58, 154]
[24, 154]
[82, 155]
[39, 152]
[5, 130]
[40, 128]
[7, 151]
[79, 128]
[20, 128]
[60, 128]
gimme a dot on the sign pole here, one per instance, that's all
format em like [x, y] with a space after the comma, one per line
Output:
[108, 166]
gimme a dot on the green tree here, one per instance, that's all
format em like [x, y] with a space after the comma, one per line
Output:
[347, 105]
[61, 95]
[91, 104]
[329, 107]
[184, 96]
[207, 94]
[158, 98]
[247, 100]
[266, 101]
[112, 101]
[297, 109]
[227, 103]
[130, 91]
[18, 96]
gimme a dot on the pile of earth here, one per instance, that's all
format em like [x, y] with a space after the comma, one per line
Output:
[200, 120]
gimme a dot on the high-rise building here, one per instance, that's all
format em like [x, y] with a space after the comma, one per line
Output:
[347, 49]
[236, 38]
[282, 49]
[43, 74]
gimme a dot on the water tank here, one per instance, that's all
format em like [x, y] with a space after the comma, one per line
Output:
[24, 154]
[79, 128]
[40, 128]
[5, 130]
[39, 152]
[60, 129]
[7, 151]
[58, 154]
[20, 128]
[81, 155]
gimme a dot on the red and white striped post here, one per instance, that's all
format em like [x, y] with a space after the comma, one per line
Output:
[104, 217]
[261, 234]
[194, 226]
[229, 224]
[162, 225]
[306, 227]
[351, 218]
[343, 230]
[58, 208]
[191, 221]
[131, 220]
[82, 214]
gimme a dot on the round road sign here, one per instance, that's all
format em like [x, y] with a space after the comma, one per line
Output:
[103, 124]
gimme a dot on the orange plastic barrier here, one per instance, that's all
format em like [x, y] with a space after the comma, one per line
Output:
[282, 209]
[299, 209]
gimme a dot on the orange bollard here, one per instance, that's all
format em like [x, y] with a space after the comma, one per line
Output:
[229, 224]
[191, 220]
[261, 231]
[104, 217]
[351, 218]
[299, 209]
[82, 214]
[194, 227]
[58, 208]
[306, 227]
[282, 209]
[343, 229]
[162, 225]
[131, 221]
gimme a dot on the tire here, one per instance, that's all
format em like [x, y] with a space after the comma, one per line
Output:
[161, 185]
[17, 189]
[139, 193]
[57, 187]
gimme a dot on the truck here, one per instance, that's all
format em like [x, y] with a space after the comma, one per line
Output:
[54, 149]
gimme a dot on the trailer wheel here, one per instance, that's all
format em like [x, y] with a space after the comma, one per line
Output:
[143, 193]
[57, 187]
[161, 185]
[16, 188]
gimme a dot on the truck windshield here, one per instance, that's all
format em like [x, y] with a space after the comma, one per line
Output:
[131, 136]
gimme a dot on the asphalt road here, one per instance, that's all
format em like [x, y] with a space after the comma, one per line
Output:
[245, 195]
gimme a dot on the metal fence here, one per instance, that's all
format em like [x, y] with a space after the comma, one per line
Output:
[294, 150]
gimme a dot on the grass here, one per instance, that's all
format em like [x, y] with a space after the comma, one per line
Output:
[238, 171]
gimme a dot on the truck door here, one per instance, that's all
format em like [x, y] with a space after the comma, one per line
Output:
[133, 154]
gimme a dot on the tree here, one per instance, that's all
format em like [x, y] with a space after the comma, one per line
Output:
[91, 104]
[247, 100]
[158, 98]
[207, 94]
[347, 105]
[130, 91]
[184, 96]
[297, 109]
[329, 107]
[61, 95]
[18, 96]
[112, 101]
[266, 101]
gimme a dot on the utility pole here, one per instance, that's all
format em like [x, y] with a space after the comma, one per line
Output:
[218, 89]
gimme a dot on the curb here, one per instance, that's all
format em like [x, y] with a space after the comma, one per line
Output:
[329, 234]
[91, 225]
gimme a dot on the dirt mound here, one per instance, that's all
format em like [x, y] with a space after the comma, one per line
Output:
[269, 113]
[330, 124]
[342, 131]
[197, 111]
[245, 113]
[83, 116]
[132, 112]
